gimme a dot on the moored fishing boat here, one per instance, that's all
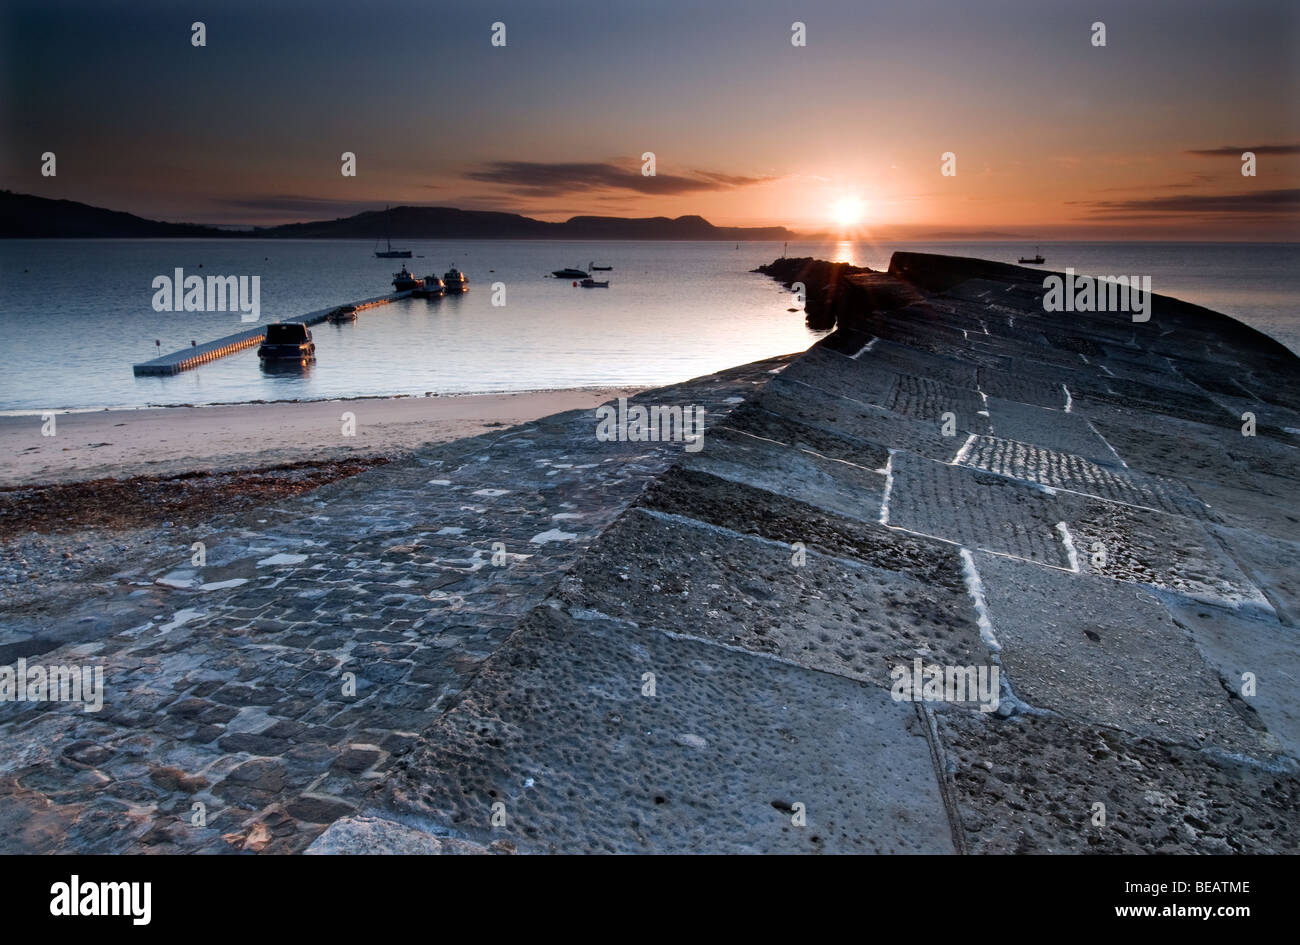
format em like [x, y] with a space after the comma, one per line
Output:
[454, 280]
[431, 287]
[405, 282]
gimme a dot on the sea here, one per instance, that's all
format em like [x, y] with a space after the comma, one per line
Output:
[75, 315]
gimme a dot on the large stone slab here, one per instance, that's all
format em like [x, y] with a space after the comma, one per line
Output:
[975, 509]
[841, 375]
[757, 421]
[1053, 429]
[1266, 456]
[1148, 405]
[835, 486]
[557, 732]
[856, 419]
[1272, 564]
[1031, 784]
[1092, 649]
[1023, 388]
[753, 511]
[1170, 552]
[1169, 447]
[825, 612]
[1261, 505]
[1235, 647]
[891, 357]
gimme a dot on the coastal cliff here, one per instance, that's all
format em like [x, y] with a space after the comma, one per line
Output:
[568, 644]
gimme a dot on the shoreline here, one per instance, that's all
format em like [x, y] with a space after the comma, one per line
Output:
[429, 395]
[109, 443]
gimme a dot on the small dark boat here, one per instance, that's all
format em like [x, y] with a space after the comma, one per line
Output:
[593, 284]
[405, 282]
[1037, 259]
[287, 341]
[594, 268]
[454, 280]
[432, 287]
[571, 274]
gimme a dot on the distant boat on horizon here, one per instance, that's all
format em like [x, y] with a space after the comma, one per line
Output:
[391, 253]
[1036, 260]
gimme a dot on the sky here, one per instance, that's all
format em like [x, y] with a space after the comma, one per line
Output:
[1053, 136]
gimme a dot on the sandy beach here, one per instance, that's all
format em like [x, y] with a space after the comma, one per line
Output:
[166, 441]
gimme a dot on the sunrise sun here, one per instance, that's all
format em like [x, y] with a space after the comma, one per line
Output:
[847, 212]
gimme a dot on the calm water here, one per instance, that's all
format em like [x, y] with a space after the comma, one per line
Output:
[76, 314]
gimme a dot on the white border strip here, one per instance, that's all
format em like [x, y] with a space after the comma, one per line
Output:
[889, 487]
[865, 348]
[975, 587]
[964, 451]
[1067, 539]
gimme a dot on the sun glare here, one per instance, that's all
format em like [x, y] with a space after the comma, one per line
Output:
[847, 212]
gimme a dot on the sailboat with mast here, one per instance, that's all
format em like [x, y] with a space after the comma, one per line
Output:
[389, 252]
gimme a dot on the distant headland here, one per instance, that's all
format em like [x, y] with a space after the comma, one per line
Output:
[25, 216]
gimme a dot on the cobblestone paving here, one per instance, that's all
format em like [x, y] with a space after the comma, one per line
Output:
[278, 683]
[1012, 387]
[977, 510]
[1059, 470]
[924, 399]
